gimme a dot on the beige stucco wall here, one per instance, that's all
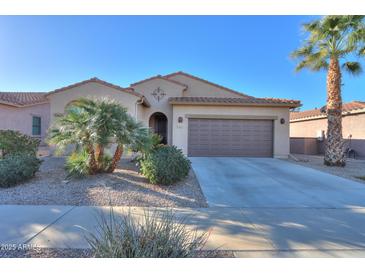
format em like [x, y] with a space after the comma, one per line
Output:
[307, 128]
[20, 118]
[351, 124]
[171, 90]
[200, 89]
[58, 101]
[281, 131]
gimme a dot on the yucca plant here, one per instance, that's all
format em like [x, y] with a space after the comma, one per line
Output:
[331, 40]
[154, 235]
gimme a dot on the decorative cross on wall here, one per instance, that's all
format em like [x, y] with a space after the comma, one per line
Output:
[158, 94]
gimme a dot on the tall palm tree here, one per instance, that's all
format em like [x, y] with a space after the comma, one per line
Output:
[333, 39]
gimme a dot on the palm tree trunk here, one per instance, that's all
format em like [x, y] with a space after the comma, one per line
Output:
[92, 162]
[334, 154]
[99, 153]
[116, 158]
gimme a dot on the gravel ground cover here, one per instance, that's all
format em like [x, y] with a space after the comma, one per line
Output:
[124, 187]
[86, 253]
[353, 169]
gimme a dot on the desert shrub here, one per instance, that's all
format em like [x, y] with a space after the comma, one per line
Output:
[154, 235]
[166, 165]
[146, 143]
[12, 142]
[16, 168]
[77, 164]
[145, 146]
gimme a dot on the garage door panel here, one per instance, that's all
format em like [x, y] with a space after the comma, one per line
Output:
[224, 137]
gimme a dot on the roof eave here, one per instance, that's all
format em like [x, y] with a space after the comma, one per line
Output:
[324, 116]
[22, 106]
[8, 104]
[129, 90]
[286, 105]
[145, 102]
[206, 81]
[160, 77]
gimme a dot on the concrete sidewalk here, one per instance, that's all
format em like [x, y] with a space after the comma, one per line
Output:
[250, 232]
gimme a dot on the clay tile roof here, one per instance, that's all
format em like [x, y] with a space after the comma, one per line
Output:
[354, 105]
[21, 99]
[321, 112]
[206, 81]
[162, 78]
[234, 101]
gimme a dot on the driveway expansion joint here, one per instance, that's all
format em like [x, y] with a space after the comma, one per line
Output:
[49, 225]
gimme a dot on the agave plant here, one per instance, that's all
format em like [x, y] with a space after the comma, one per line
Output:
[332, 41]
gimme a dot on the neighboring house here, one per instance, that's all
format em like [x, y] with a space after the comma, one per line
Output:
[198, 116]
[308, 129]
[27, 112]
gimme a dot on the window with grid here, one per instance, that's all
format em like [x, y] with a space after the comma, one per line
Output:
[36, 126]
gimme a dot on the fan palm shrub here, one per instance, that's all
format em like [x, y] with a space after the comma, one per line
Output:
[331, 44]
[131, 132]
[73, 128]
[92, 125]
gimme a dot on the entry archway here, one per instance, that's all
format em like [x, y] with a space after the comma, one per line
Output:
[158, 123]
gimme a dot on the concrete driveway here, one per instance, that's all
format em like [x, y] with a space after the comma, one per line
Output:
[300, 211]
[273, 183]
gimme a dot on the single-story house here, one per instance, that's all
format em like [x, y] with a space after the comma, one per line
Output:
[200, 117]
[308, 129]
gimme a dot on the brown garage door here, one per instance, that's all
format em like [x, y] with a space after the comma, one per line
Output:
[226, 137]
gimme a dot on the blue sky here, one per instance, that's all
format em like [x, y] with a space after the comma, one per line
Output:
[246, 53]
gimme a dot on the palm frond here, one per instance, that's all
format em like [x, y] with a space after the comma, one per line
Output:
[333, 36]
[353, 68]
[302, 52]
[361, 51]
[319, 65]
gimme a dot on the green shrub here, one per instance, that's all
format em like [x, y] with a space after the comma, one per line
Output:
[166, 165]
[146, 143]
[154, 235]
[77, 165]
[12, 142]
[16, 168]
